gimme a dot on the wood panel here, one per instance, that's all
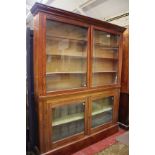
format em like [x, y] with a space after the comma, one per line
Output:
[39, 54]
[124, 96]
[125, 63]
[41, 126]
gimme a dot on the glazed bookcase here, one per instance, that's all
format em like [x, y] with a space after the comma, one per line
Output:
[77, 68]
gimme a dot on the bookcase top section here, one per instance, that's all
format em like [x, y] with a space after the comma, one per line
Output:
[38, 7]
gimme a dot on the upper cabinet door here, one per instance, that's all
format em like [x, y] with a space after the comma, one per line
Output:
[66, 56]
[105, 58]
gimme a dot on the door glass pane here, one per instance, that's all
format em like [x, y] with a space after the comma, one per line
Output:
[66, 56]
[102, 111]
[105, 58]
[67, 120]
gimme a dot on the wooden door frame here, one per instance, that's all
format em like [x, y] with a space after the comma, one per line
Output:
[67, 140]
[66, 20]
[115, 110]
[120, 48]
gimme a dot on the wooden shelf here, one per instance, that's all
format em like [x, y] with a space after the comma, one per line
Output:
[65, 55]
[53, 73]
[107, 58]
[80, 56]
[76, 117]
[96, 112]
[68, 119]
[52, 37]
[96, 72]
[106, 46]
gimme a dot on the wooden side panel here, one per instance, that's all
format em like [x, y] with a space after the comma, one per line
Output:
[41, 126]
[120, 59]
[39, 54]
[125, 63]
[124, 109]
[39, 74]
[124, 96]
[35, 54]
[116, 107]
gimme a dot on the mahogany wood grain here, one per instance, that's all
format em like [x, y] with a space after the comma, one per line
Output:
[124, 96]
[79, 91]
[89, 59]
[86, 123]
[91, 53]
[125, 63]
[39, 54]
[41, 126]
[120, 59]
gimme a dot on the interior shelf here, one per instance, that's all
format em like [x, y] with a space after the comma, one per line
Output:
[80, 56]
[101, 111]
[96, 72]
[51, 73]
[65, 55]
[52, 37]
[68, 119]
[110, 71]
[107, 58]
[106, 46]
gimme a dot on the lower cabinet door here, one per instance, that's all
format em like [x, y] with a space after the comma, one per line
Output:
[67, 121]
[103, 111]
[72, 119]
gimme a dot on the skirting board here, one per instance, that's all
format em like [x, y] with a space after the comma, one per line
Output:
[88, 140]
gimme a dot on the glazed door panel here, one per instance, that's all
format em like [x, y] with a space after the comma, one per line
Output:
[68, 120]
[66, 56]
[102, 111]
[105, 58]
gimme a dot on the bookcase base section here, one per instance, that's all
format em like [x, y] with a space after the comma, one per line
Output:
[80, 144]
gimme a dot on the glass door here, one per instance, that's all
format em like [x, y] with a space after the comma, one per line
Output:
[102, 111]
[66, 56]
[105, 58]
[68, 120]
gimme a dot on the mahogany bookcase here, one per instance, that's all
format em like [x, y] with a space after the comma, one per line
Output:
[77, 74]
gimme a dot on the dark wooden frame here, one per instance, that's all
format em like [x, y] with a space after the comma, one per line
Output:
[45, 100]
[68, 102]
[115, 109]
[80, 24]
[119, 52]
